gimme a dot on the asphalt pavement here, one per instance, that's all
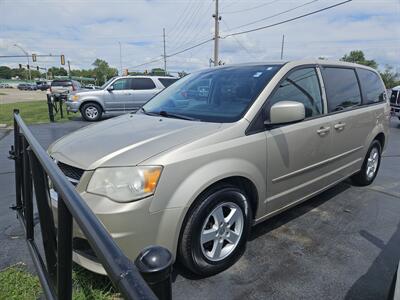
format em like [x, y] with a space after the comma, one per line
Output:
[342, 244]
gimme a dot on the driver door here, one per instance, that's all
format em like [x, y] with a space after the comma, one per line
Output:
[119, 97]
[298, 153]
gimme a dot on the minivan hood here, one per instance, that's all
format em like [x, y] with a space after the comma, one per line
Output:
[126, 140]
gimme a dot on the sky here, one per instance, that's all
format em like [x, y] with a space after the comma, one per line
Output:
[86, 30]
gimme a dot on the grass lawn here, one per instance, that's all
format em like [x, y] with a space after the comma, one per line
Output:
[18, 284]
[2, 94]
[33, 112]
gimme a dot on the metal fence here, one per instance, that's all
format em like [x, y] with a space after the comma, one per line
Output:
[33, 170]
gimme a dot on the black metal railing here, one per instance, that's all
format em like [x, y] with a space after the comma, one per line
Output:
[148, 278]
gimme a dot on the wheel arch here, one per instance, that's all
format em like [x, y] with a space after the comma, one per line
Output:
[91, 101]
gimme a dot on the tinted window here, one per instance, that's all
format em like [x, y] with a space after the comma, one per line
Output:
[301, 86]
[372, 86]
[394, 96]
[214, 95]
[167, 81]
[61, 83]
[143, 84]
[342, 88]
[121, 84]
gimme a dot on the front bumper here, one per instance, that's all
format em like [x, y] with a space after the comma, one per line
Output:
[72, 106]
[395, 110]
[131, 225]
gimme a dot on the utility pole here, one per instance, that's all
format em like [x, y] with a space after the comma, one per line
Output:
[120, 57]
[69, 70]
[283, 45]
[165, 54]
[217, 18]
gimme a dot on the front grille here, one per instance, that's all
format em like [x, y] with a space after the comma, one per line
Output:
[74, 174]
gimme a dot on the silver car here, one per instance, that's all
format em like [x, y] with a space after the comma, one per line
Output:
[118, 95]
[221, 150]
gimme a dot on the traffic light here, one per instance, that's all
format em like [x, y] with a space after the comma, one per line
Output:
[37, 68]
[33, 57]
[27, 66]
[63, 59]
[20, 66]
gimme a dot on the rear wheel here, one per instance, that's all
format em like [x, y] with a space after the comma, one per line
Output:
[370, 166]
[215, 234]
[91, 112]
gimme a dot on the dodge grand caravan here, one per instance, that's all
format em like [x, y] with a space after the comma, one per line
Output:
[194, 171]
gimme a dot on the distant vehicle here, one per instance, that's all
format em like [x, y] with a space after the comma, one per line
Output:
[395, 101]
[59, 89]
[27, 87]
[5, 86]
[42, 85]
[118, 95]
[90, 86]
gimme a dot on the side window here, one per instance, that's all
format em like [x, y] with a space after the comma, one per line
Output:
[167, 81]
[342, 88]
[121, 84]
[372, 86]
[142, 84]
[301, 86]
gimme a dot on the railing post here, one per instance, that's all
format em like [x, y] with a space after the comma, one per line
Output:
[45, 215]
[155, 265]
[50, 107]
[64, 257]
[27, 187]
[17, 157]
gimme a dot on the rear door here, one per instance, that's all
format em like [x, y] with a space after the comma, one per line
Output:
[351, 122]
[297, 154]
[119, 98]
[143, 89]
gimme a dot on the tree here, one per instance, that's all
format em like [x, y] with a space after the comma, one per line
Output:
[358, 57]
[103, 71]
[390, 77]
[5, 72]
[54, 71]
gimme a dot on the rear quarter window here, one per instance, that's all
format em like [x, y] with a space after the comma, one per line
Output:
[371, 84]
[342, 89]
[166, 82]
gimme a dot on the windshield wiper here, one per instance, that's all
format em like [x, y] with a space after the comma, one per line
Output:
[177, 116]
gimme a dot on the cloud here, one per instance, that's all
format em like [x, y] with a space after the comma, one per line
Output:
[85, 30]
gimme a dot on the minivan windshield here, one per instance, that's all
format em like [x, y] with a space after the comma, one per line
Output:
[219, 95]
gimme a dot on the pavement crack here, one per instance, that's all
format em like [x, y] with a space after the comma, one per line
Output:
[395, 195]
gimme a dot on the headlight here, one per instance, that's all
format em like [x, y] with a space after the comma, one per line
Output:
[74, 97]
[125, 184]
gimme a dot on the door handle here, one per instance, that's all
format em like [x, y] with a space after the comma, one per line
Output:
[323, 131]
[340, 126]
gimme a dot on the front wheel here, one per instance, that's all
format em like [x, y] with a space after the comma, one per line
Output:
[370, 166]
[216, 230]
[91, 112]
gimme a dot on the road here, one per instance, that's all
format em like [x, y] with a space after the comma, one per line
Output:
[342, 244]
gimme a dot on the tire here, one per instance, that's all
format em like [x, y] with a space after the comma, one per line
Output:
[370, 166]
[91, 112]
[205, 257]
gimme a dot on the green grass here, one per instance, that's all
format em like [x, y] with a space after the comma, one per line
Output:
[33, 112]
[3, 94]
[18, 284]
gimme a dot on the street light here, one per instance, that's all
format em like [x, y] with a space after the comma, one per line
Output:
[27, 56]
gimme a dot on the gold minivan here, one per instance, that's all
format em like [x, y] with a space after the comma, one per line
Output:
[223, 149]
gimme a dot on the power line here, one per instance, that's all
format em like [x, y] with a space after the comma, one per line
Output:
[288, 20]
[247, 9]
[190, 48]
[274, 15]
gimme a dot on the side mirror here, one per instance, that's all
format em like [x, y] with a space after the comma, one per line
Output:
[110, 88]
[285, 112]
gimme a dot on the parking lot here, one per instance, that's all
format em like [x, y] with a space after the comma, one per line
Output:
[344, 243]
[14, 95]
